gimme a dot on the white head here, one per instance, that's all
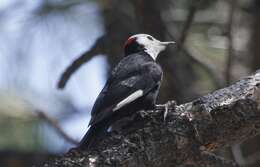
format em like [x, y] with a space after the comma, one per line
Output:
[146, 43]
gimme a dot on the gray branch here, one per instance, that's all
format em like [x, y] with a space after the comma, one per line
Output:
[188, 136]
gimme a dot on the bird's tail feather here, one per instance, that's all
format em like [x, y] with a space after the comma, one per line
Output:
[93, 135]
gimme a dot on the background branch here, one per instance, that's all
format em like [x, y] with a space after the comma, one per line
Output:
[53, 123]
[200, 60]
[230, 54]
[187, 25]
[194, 56]
[98, 48]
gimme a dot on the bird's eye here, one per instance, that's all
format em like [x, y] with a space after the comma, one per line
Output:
[150, 38]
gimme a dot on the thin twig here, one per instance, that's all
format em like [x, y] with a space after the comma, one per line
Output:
[56, 126]
[230, 41]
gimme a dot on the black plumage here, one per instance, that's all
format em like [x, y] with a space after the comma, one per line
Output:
[134, 72]
[133, 85]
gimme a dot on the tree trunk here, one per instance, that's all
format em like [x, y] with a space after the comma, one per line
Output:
[256, 35]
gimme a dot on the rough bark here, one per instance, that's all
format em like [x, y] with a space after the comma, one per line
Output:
[188, 136]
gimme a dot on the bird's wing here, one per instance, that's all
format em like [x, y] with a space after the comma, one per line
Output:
[123, 90]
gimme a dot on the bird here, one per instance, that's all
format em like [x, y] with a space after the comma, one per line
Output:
[133, 85]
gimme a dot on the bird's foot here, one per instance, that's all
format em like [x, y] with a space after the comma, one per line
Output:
[169, 105]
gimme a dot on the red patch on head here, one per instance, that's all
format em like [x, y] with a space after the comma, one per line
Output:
[129, 41]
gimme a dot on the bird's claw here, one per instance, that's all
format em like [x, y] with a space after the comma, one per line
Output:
[167, 106]
[165, 112]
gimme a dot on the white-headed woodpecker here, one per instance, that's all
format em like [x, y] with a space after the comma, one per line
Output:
[133, 85]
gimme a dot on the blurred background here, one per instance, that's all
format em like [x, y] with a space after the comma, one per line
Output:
[55, 56]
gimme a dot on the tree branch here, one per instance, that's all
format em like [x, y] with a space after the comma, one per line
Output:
[98, 48]
[56, 126]
[213, 121]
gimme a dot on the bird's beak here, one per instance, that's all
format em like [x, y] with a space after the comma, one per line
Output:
[167, 43]
[162, 45]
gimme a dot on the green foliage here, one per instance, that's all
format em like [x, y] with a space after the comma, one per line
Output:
[19, 134]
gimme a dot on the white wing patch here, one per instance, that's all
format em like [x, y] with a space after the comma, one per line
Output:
[129, 99]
